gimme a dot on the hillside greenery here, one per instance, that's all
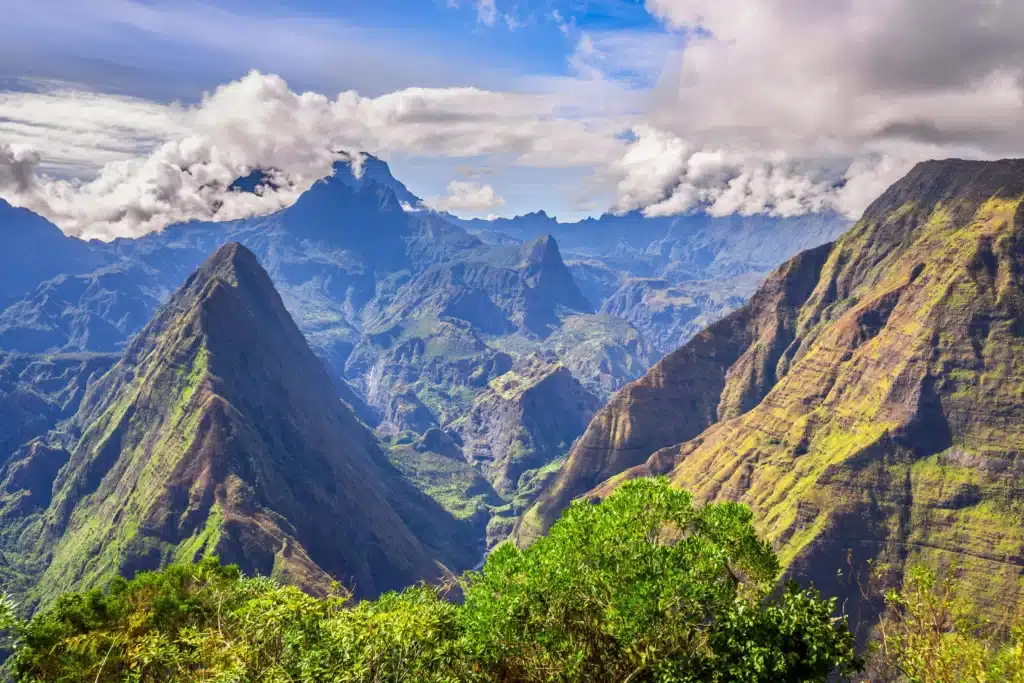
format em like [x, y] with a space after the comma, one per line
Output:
[931, 633]
[643, 586]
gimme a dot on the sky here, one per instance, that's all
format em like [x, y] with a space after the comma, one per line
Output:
[118, 117]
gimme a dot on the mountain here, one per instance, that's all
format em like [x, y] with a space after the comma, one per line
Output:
[414, 315]
[370, 169]
[219, 431]
[497, 290]
[38, 391]
[96, 311]
[668, 276]
[525, 419]
[668, 313]
[35, 250]
[865, 403]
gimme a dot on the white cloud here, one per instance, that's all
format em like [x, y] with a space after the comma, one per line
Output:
[513, 22]
[258, 122]
[780, 106]
[809, 105]
[486, 12]
[564, 26]
[468, 197]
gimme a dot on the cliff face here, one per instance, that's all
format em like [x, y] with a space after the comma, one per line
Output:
[886, 426]
[220, 432]
[724, 369]
[525, 419]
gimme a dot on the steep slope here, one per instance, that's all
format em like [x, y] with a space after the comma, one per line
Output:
[670, 313]
[525, 419]
[604, 352]
[670, 276]
[891, 433]
[37, 392]
[96, 311]
[499, 290]
[35, 250]
[723, 370]
[219, 432]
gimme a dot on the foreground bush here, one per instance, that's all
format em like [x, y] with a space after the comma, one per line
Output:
[641, 587]
[930, 634]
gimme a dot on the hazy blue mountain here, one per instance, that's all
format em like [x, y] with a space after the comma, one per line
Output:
[668, 276]
[415, 314]
[33, 250]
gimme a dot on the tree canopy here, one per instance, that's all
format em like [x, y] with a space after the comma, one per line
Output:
[643, 586]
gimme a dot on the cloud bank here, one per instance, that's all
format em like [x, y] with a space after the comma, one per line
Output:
[779, 107]
[465, 196]
[788, 106]
[259, 122]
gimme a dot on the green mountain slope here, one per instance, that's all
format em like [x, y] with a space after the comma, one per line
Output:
[219, 431]
[876, 417]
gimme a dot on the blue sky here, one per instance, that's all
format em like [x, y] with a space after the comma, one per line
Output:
[500, 107]
[175, 50]
[192, 45]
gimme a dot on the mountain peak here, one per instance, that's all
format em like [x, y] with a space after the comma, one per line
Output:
[864, 402]
[234, 265]
[219, 431]
[547, 273]
[230, 258]
[543, 251]
[34, 250]
[362, 169]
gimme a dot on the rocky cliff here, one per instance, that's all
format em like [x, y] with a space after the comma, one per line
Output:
[866, 403]
[525, 419]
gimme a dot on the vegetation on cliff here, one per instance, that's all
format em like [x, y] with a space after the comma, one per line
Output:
[932, 633]
[220, 432]
[642, 587]
[866, 403]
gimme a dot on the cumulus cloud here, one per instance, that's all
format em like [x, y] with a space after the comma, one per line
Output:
[259, 122]
[486, 12]
[789, 106]
[468, 197]
[779, 107]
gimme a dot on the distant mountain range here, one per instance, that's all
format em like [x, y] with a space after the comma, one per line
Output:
[475, 351]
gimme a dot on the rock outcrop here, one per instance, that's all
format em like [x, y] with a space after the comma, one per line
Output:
[525, 419]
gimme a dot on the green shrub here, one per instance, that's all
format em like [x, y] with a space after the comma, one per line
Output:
[930, 634]
[646, 587]
[641, 587]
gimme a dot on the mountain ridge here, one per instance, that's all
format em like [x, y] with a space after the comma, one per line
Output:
[219, 432]
[885, 432]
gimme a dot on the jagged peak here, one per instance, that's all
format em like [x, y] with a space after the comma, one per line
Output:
[543, 251]
[362, 169]
[230, 279]
[228, 261]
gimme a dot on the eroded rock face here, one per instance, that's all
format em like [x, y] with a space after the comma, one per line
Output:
[38, 391]
[680, 396]
[525, 419]
[670, 313]
[883, 422]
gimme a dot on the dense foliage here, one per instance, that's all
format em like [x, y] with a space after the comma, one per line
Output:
[931, 634]
[641, 587]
